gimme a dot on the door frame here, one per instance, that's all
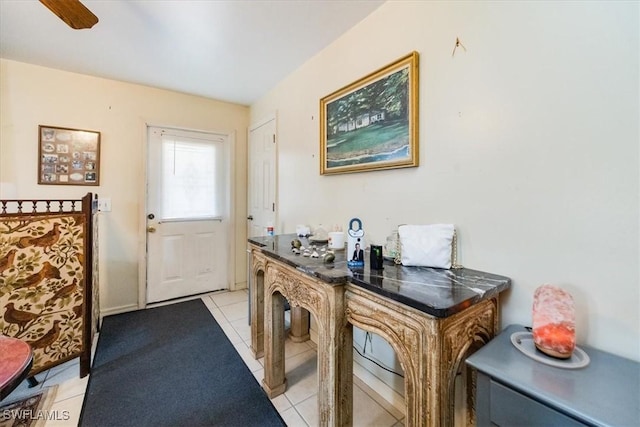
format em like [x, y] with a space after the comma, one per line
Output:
[142, 213]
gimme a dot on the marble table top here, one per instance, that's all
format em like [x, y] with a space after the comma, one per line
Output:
[438, 292]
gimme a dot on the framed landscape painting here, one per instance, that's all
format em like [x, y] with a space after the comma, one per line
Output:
[372, 123]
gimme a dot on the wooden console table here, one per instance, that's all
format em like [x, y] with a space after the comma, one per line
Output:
[432, 318]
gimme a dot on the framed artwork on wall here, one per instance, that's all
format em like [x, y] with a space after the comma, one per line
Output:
[68, 156]
[372, 123]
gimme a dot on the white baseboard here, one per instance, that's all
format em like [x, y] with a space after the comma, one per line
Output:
[118, 310]
[238, 286]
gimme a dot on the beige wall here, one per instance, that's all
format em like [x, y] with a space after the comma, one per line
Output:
[528, 143]
[32, 95]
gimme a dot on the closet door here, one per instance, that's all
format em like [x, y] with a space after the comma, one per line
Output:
[262, 179]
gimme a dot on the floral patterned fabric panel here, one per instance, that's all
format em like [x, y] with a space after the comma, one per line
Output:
[42, 285]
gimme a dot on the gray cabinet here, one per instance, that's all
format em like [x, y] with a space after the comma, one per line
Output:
[515, 390]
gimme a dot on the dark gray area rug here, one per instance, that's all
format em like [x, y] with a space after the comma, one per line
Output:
[171, 366]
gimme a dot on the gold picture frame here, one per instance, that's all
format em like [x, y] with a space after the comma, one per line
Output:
[68, 156]
[372, 123]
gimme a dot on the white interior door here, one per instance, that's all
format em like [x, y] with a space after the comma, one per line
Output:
[263, 208]
[187, 213]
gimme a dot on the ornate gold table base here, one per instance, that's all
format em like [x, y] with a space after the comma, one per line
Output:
[275, 282]
[431, 350]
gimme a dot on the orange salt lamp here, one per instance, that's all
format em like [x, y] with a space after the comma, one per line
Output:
[554, 321]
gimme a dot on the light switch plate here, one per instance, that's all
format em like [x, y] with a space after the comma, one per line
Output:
[104, 204]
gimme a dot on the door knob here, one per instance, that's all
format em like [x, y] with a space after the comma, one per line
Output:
[250, 217]
[151, 229]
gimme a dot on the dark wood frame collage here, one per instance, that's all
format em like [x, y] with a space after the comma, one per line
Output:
[68, 156]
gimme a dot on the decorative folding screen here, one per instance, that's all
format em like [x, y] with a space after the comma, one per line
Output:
[45, 284]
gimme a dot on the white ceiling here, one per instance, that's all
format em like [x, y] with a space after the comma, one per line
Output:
[223, 49]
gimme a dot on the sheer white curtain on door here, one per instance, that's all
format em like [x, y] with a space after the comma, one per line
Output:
[192, 178]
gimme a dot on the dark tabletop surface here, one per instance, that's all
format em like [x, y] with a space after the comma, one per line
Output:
[435, 291]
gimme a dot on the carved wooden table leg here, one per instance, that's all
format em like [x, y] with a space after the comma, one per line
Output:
[299, 325]
[335, 357]
[274, 382]
[431, 350]
[459, 336]
[257, 284]
[335, 362]
[406, 331]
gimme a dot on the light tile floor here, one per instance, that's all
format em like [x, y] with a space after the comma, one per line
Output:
[297, 406]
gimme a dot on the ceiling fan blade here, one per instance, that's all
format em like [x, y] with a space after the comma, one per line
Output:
[74, 13]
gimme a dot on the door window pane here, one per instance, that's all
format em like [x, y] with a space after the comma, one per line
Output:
[192, 178]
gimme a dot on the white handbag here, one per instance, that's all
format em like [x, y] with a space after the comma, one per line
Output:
[431, 245]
